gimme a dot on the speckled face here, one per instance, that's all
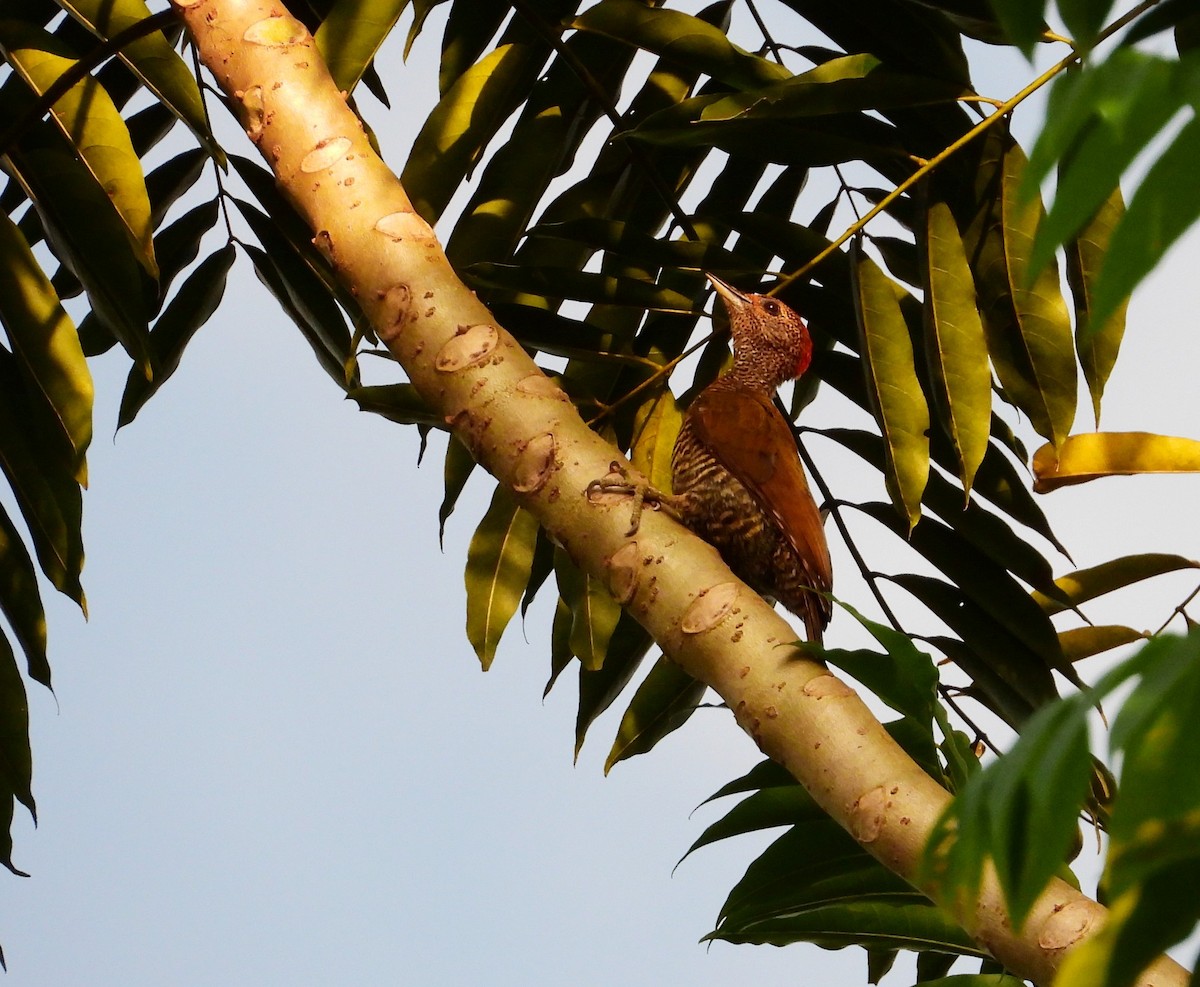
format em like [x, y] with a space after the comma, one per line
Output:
[767, 334]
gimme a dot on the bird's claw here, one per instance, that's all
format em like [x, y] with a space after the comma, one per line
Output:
[622, 483]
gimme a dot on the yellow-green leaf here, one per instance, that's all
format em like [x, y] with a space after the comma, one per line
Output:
[499, 560]
[151, 59]
[594, 613]
[655, 428]
[661, 704]
[1087, 584]
[351, 34]
[891, 379]
[955, 344]
[44, 339]
[1092, 455]
[1083, 642]
[1028, 328]
[1097, 345]
[91, 122]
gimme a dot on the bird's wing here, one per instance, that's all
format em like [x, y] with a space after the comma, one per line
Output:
[749, 437]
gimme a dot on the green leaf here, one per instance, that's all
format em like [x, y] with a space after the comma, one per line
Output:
[1165, 204]
[192, 306]
[892, 385]
[88, 119]
[1021, 812]
[905, 677]
[455, 133]
[1022, 22]
[599, 687]
[1087, 584]
[16, 762]
[498, 564]
[459, 466]
[152, 59]
[44, 340]
[20, 600]
[48, 496]
[178, 245]
[663, 702]
[1098, 121]
[683, 38]
[170, 180]
[396, 402]
[303, 296]
[350, 36]
[768, 808]
[584, 286]
[83, 231]
[594, 613]
[1028, 328]
[955, 344]
[655, 429]
[1098, 345]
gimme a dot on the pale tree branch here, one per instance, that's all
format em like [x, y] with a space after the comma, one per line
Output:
[522, 428]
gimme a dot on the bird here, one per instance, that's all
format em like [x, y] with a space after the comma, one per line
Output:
[737, 480]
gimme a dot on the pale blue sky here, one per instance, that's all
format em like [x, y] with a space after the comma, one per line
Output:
[272, 758]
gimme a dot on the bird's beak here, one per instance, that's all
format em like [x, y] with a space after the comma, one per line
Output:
[732, 298]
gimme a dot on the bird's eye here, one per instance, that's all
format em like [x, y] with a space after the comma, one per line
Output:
[771, 307]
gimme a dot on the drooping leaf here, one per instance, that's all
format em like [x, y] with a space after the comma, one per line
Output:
[1083, 642]
[170, 180]
[682, 37]
[599, 687]
[16, 762]
[1087, 584]
[89, 120]
[892, 385]
[151, 59]
[459, 466]
[1028, 328]
[83, 230]
[1092, 455]
[498, 564]
[955, 344]
[20, 600]
[594, 613]
[1037, 788]
[663, 702]
[178, 245]
[192, 306]
[1164, 205]
[396, 402]
[1097, 344]
[656, 426]
[46, 492]
[351, 34]
[44, 340]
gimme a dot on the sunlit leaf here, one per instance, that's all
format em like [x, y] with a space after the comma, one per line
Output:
[87, 117]
[1084, 642]
[682, 37]
[594, 613]
[892, 385]
[498, 563]
[351, 34]
[152, 59]
[1097, 344]
[955, 345]
[44, 340]
[1092, 455]
[1028, 328]
[1087, 584]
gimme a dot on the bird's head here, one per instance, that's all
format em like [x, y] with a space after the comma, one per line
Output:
[770, 341]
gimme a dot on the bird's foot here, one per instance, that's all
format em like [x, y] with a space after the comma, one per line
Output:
[619, 481]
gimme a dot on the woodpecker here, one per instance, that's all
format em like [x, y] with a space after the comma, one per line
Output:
[737, 477]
